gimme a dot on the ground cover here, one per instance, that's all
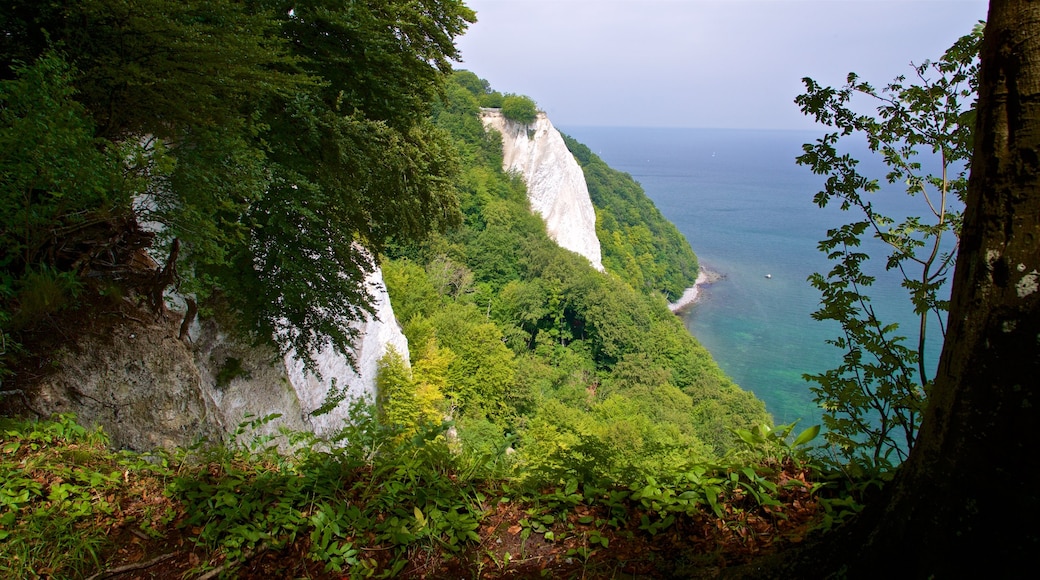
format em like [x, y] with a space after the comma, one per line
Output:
[388, 505]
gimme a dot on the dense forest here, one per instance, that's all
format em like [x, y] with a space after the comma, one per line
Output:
[582, 374]
[280, 180]
[261, 158]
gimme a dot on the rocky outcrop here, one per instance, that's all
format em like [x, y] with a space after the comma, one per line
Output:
[375, 337]
[148, 389]
[555, 182]
[136, 380]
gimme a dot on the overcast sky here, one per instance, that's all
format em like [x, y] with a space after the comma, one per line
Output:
[699, 63]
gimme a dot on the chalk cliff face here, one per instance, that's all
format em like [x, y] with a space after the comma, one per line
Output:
[148, 389]
[375, 337]
[555, 183]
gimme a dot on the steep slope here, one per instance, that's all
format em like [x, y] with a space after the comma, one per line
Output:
[549, 367]
[555, 183]
[375, 337]
[639, 244]
[148, 389]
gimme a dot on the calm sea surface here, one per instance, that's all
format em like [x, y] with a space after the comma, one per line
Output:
[746, 209]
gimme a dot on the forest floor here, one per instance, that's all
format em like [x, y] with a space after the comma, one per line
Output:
[576, 545]
[502, 552]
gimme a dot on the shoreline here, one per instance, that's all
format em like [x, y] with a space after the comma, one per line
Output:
[704, 278]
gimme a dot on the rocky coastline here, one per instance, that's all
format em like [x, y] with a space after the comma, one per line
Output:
[689, 297]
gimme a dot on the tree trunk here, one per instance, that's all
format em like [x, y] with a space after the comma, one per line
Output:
[966, 503]
[972, 482]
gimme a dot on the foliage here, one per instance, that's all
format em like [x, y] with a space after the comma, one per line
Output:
[286, 142]
[382, 505]
[431, 381]
[873, 401]
[638, 243]
[59, 181]
[345, 499]
[396, 397]
[771, 443]
[571, 372]
[58, 486]
[478, 88]
[519, 108]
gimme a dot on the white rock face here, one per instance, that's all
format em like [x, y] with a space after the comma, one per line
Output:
[270, 383]
[148, 389]
[556, 185]
[376, 336]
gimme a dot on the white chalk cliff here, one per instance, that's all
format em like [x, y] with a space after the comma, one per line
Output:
[375, 337]
[555, 182]
[283, 385]
[148, 389]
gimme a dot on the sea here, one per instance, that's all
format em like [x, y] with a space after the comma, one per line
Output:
[746, 209]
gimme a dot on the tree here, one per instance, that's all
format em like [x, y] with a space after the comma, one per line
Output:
[873, 401]
[289, 141]
[54, 170]
[430, 373]
[966, 500]
[396, 399]
[519, 108]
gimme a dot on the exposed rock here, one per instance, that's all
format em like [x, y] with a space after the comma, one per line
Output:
[148, 389]
[138, 381]
[375, 337]
[556, 184]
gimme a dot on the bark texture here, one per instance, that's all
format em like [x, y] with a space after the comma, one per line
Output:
[967, 501]
[970, 492]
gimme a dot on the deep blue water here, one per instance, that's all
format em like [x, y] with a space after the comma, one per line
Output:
[746, 209]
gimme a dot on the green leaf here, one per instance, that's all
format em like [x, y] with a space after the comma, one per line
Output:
[806, 436]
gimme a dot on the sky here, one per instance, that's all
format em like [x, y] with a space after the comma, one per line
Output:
[699, 63]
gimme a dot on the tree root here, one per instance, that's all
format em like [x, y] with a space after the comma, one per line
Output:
[132, 567]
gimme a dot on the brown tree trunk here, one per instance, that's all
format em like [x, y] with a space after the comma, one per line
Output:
[970, 492]
[967, 501]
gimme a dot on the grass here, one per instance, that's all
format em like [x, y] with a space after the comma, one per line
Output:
[61, 493]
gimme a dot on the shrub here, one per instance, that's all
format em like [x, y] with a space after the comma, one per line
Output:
[519, 108]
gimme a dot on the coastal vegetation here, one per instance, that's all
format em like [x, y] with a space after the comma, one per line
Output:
[552, 420]
[639, 245]
[873, 402]
[578, 373]
[267, 150]
[388, 504]
[319, 142]
[519, 108]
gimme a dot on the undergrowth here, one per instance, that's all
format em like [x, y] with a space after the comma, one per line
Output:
[386, 504]
[62, 492]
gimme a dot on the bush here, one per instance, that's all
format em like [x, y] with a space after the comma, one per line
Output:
[519, 108]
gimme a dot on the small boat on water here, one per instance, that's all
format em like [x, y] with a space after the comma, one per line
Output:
[769, 275]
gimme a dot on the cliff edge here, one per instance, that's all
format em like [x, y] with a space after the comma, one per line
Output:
[555, 182]
[148, 389]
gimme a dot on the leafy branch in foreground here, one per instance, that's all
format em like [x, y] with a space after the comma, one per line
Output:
[278, 146]
[874, 399]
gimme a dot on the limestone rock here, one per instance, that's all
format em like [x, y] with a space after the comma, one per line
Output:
[138, 381]
[556, 185]
[148, 389]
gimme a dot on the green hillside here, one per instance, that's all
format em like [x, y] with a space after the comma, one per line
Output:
[581, 373]
[639, 244]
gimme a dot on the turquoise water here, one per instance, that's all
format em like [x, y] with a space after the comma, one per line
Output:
[746, 209]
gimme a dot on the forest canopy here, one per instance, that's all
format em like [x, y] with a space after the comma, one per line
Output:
[272, 140]
[585, 375]
[266, 155]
